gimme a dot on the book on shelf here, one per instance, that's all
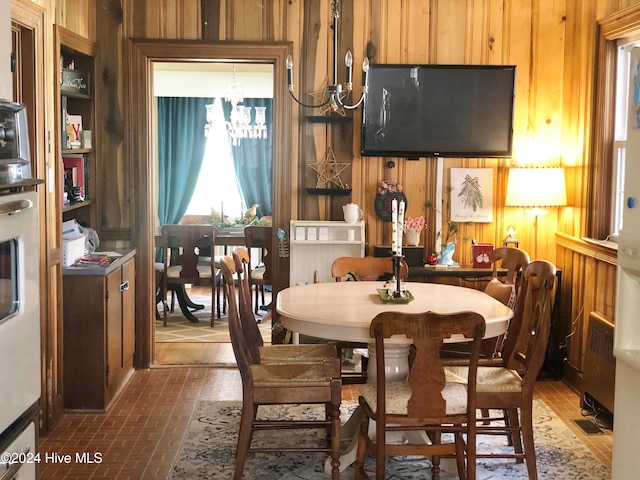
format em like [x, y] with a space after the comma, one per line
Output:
[76, 173]
[74, 130]
[75, 164]
[93, 259]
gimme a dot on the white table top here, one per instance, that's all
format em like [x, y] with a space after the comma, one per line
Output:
[344, 310]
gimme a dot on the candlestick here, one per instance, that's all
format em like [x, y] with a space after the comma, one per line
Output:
[397, 266]
[394, 226]
[400, 226]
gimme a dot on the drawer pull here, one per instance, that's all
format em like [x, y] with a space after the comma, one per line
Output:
[124, 286]
[12, 208]
[13, 467]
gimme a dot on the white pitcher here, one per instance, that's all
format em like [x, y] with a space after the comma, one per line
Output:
[352, 213]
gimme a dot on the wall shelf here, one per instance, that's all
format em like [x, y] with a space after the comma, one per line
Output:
[334, 192]
[328, 119]
[316, 244]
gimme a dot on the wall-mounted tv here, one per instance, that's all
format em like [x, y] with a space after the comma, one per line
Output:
[438, 111]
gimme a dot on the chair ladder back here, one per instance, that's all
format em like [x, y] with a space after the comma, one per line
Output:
[250, 328]
[366, 268]
[529, 348]
[240, 347]
[513, 259]
[428, 331]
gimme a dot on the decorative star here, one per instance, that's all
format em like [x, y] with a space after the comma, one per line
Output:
[329, 171]
[331, 107]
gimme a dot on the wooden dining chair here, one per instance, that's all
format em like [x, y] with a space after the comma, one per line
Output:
[425, 402]
[259, 237]
[186, 265]
[366, 268]
[363, 269]
[281, 383]
[261, 353]
[221, 301]
[514, 260]
[509, 387]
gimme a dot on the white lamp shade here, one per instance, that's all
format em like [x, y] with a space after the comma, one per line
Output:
[536, 187]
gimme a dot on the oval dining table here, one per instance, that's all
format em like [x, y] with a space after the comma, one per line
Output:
[343, 311]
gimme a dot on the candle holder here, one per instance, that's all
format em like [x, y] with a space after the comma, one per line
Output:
[398, 292]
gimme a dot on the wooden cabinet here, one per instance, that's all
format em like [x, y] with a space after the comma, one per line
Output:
[76, 125]
[315, 245]
[99, 332]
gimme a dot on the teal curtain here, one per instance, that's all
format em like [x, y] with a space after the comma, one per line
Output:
[253, 159]
[181, 145]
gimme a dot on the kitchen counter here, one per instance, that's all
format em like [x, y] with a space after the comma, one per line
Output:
[113, 264]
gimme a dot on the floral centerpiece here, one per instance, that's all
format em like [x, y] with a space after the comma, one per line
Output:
[413, 228]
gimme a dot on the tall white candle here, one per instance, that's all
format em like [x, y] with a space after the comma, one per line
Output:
[394, 226]
[400, 226]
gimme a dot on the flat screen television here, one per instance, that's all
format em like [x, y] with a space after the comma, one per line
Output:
[438, 111]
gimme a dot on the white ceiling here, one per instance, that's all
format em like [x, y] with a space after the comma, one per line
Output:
[208, 79]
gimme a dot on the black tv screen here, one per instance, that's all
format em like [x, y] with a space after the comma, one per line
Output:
[438, 111]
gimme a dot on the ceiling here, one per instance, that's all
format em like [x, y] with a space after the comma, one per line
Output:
[209, 79]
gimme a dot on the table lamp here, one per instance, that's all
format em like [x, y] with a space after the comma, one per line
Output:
[534, 188]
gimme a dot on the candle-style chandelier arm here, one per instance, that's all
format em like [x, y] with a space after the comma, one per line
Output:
[335, 91]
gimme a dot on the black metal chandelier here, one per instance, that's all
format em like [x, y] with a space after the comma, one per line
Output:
[335, 96]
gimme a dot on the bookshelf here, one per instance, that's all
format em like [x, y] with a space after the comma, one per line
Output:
[76, 124]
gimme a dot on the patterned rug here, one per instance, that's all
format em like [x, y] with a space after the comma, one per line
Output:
[208, 450]
[179, 329]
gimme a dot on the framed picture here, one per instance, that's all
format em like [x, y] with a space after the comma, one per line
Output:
[471, 195]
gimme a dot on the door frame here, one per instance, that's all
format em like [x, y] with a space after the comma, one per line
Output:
[141, 147]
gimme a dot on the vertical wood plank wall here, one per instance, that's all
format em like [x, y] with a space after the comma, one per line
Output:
[552, 43]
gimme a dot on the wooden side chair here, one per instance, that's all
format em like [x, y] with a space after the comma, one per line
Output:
[280, 383]
[259, 237]
[261, 353]
[366, 268]
[206, 220]
[509, 387]
[425, 402]
[362, 269]
[514, 260]
[186, 266]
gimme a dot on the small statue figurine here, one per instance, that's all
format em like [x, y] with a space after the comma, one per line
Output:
[446, 258]
[250, 215]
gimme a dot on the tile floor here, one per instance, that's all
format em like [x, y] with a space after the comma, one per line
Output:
[139, 437]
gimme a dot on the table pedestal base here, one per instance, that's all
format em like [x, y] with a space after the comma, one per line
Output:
[397, 368]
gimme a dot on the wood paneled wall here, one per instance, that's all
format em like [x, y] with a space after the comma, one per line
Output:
[588, 284]
[552, 43]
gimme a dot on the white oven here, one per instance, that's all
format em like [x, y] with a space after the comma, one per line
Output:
[19, 322]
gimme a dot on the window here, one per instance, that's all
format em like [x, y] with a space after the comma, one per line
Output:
[217, 187]
[617, 35]
[620, 134]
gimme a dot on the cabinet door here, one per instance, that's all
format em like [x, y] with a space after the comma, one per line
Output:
[128, 312]
[114, 329]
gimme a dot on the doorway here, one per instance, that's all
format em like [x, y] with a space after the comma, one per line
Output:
[143, 54]
[234, 144]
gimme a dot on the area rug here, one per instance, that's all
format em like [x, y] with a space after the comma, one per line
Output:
[208, 449]
[179, 329]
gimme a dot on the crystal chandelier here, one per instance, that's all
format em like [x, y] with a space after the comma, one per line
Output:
[334, 97]
[239, 127]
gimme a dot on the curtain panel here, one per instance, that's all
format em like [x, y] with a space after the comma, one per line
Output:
[181, 146]
[253, 159]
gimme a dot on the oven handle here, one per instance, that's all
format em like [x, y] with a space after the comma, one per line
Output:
[12, 208]
[13, 468]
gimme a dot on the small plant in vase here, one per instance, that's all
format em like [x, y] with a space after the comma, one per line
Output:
[449, 239]
[412, 229]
